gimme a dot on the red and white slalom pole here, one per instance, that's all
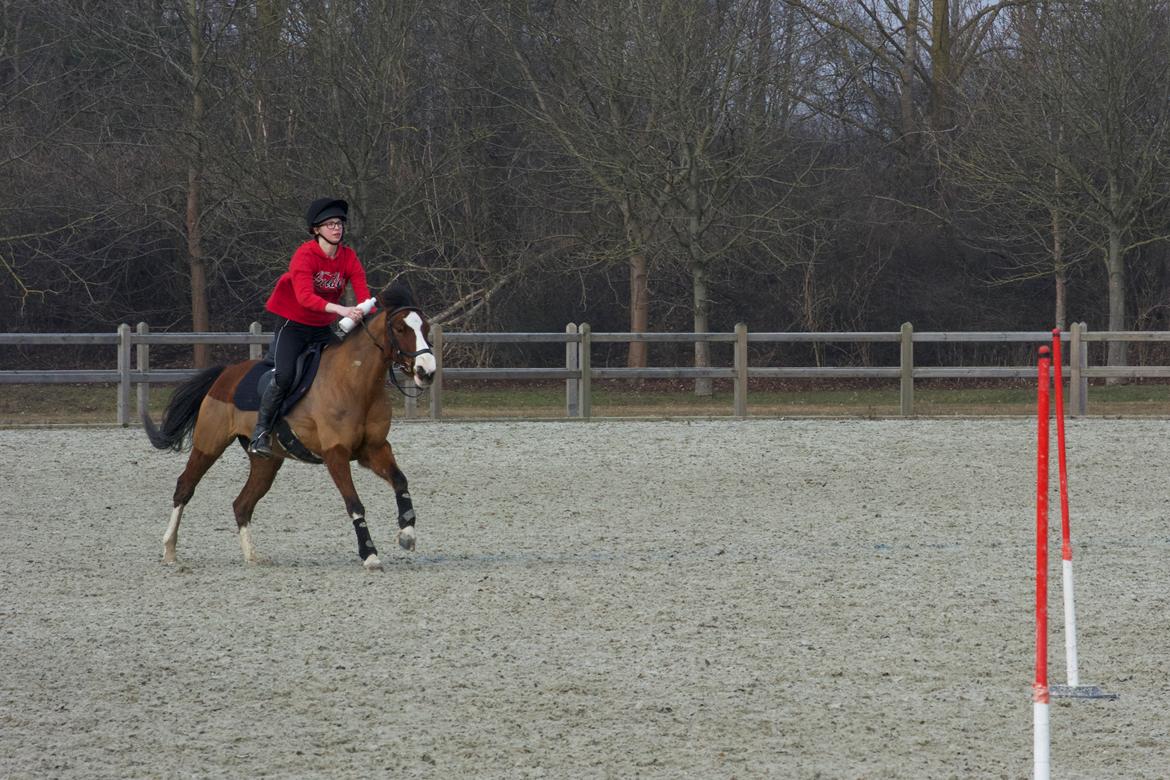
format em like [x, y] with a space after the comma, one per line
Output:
[1040, 732]
[1073, 689]
[1070, 610]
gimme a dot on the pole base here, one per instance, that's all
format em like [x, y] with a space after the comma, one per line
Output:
[1080, 692]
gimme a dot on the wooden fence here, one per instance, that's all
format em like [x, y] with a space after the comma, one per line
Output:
[133, 361]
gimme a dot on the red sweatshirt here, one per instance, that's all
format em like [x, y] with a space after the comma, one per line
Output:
[314, 279]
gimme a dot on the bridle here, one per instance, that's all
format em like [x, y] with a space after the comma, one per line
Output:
[407, 369]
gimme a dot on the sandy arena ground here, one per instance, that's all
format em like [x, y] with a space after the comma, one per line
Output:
[708, 599]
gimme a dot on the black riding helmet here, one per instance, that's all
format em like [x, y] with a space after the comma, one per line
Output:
[325, 208]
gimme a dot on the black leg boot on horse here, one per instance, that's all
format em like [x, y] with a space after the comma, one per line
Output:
[261, 443]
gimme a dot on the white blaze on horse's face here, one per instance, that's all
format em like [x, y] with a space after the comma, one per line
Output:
[424, 365]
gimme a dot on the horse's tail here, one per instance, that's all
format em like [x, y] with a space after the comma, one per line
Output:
[182, 411]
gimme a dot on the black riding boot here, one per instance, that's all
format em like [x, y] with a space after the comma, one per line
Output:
[269, 407]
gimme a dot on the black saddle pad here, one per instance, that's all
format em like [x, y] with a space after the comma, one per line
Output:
[248, 391]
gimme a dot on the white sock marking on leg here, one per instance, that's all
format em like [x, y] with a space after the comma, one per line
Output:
[171, 537]
[246, 543]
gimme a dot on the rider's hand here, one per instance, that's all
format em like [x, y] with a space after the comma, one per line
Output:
[352, 312]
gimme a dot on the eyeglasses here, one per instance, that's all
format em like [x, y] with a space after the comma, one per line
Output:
[333, 224]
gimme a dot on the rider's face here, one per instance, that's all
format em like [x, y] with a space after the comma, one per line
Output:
[331, 231]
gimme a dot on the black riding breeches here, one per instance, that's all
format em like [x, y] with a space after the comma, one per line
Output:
[291, 339]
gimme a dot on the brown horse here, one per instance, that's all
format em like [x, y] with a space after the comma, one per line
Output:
[344, 416]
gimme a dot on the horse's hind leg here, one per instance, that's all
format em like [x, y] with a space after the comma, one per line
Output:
[380, 460]
[197, 465]
[260, 478]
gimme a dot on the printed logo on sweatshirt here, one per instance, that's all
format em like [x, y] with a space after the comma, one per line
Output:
[327, 280]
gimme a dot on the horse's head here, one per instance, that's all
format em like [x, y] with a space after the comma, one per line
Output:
[407, 335]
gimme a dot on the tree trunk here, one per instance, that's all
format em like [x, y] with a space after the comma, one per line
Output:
[809, 308]
[1058, 272]
[639, 309]
[200, 311]
[1060, 279]
[639, 286]
[1115, 263]
[269, 22]
[698, 263]
[906, 99]
[703, 387]
[940, 61]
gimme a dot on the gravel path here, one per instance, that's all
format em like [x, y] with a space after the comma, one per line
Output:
[710, 599]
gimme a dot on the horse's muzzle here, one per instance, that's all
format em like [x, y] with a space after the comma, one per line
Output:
[424, 368]
[422, 377]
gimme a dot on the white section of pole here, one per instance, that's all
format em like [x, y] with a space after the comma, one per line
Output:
[1070, 625]
[1041, 762]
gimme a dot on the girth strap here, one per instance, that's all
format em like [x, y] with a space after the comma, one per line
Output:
[292, 445]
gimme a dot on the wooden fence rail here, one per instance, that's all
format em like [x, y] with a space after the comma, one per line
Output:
[133, 361]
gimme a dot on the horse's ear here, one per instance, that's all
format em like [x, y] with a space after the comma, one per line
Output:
[396, 295]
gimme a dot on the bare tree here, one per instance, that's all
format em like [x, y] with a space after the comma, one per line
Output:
[877, 48]
[1113, 57]
[43, 92]
[655, 102]
[1069, 137]
[580, 91]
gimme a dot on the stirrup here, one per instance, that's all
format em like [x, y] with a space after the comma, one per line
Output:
[261, 445]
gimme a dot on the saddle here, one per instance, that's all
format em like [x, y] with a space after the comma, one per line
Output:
[251, 387]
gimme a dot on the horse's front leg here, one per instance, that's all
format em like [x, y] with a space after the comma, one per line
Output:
[337, 461]
[380, 460]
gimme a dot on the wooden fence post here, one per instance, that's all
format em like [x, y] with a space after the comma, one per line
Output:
[255, 349]
[1084, 364]
[572, 384]
[124, 343]
[143, 366]
[409, 404]
[1075, 346]
[741, 369]
[584, 353]
[437, 382]
[907, 365]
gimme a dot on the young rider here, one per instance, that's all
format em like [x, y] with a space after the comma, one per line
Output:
[307, 297]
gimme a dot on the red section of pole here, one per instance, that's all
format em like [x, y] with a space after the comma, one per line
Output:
[1065, 533]
[1040, 689]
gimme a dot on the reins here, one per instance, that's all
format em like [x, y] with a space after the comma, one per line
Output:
[397, 346]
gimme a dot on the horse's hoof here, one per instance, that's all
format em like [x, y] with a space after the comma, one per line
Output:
[372, 563]
[406, 538]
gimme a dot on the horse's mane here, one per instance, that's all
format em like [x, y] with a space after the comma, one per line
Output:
[395, 296]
